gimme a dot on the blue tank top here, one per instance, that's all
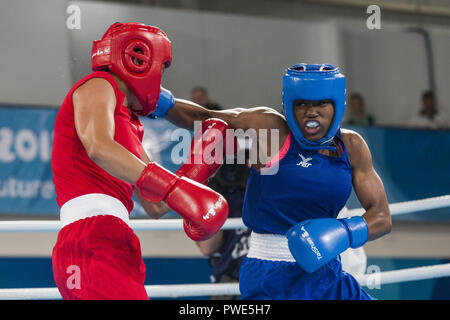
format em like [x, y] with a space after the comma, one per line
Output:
[307, 185]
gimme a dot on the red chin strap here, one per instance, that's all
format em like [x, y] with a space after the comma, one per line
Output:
[136, 53]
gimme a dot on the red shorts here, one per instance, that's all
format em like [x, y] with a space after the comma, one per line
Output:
[99, 258]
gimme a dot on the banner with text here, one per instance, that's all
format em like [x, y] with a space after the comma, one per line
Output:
[413, 164]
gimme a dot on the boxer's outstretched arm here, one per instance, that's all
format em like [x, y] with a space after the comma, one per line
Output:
[184, 113]
[273, 124]
[94, 104]
[368, 186]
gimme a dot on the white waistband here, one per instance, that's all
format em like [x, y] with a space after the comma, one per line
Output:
[269, 247]
[91, 205]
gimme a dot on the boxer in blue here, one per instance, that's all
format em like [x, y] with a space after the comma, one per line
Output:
[296, 236]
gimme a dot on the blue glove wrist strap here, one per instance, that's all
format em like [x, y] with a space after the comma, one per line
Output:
[165, 102]
[357, 229]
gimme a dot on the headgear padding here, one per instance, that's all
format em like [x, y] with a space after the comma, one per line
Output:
[314, 82]
[136, 53]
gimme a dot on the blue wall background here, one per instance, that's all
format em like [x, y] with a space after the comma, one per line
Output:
[413, 164]
[25, 152]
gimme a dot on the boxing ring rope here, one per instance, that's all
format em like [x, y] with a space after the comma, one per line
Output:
[196, 290]
[216, 289]
[232, 223]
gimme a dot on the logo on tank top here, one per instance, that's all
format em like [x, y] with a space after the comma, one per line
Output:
[305, 161]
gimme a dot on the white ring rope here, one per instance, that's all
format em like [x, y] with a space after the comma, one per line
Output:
[405, 207]
[216, 289]
[232, 223]
[196, 290]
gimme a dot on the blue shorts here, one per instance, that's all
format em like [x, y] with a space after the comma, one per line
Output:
[281, 280]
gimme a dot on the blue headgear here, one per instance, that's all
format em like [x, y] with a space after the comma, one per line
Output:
[314, 82]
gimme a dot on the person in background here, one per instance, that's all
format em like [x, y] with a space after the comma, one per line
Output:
[429, 116]
[227, 248]
[358, 114]
[199, 95]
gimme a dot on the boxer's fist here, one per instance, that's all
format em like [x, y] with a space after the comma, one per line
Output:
[203, 161]
[165, 102]
[313, 243]
[204, 210]
[155, 182]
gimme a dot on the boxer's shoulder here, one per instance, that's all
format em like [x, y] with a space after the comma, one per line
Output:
[352, 139]
[356, 146]
[95, 91]
[97, 84]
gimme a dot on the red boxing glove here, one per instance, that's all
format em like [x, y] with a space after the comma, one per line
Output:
[155, 182]
[204, 210]
[203, 161]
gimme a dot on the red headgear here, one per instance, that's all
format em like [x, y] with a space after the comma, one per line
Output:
[136, 53]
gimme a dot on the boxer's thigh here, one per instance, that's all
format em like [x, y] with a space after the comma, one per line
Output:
[99, 258]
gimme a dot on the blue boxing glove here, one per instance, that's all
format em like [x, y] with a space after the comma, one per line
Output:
[165, 102]
[313, 243]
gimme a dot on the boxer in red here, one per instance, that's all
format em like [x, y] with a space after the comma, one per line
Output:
[98, 160]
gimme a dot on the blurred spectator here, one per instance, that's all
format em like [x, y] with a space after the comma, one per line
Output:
[429, 116]
[199, 95]
[227, 248]
[358, 114]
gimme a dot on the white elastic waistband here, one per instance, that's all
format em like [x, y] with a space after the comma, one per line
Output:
[269, 247]
[91, 205]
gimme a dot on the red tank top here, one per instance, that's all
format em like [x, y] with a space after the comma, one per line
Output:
[74, 173]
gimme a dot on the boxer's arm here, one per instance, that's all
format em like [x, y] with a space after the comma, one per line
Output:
[154, 209]
[94, 104]
[210, 246]
[263, 123]
[184, 113]
[368, 186]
